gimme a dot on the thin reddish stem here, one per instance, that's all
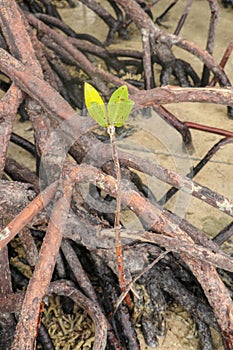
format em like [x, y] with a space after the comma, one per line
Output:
[223, 61]
[210, 129]
[117, 225]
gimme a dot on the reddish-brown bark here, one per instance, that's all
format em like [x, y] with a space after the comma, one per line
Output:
[47, 108]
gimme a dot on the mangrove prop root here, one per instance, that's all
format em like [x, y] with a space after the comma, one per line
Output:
[32, 79]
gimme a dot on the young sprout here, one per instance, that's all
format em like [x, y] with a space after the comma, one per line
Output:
[118, 107]
[115, 115]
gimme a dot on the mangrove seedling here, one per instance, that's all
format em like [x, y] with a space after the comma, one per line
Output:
[115, 115]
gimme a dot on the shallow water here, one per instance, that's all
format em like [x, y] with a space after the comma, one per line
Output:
[157, 141]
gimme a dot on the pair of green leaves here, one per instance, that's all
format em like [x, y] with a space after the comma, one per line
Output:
[118, 107]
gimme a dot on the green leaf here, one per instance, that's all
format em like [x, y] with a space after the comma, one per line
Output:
[95, 105]
[119, 106]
